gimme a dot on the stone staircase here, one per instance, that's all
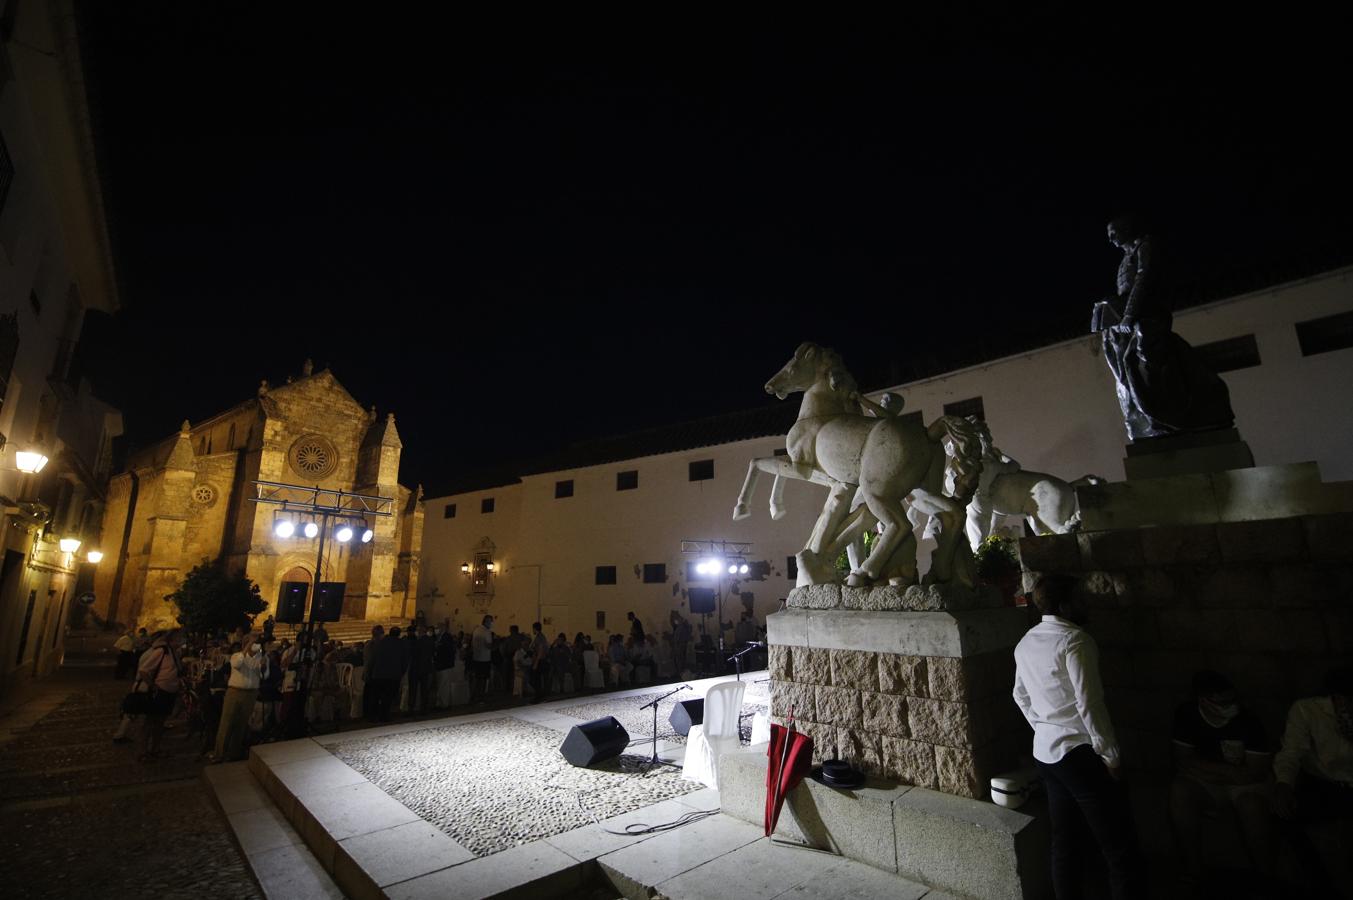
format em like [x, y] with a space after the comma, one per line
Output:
[346, 630]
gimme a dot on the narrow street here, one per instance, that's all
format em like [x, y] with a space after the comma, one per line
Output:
[79, 816]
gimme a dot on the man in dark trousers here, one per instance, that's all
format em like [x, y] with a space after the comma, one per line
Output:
[389, 661]
[540, 655]
[1058, 689]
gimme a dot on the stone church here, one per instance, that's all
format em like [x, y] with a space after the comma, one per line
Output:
[190, 498]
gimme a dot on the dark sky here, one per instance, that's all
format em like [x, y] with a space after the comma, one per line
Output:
[519, 234]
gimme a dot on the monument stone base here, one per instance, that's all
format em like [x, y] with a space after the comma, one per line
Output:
[1190, 453]
[922, 698]
[970, 848]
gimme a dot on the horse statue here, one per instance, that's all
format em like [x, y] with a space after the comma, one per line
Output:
[1045, 501]
[886, 459]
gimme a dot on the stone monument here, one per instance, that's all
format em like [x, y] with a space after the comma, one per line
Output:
[906, 675]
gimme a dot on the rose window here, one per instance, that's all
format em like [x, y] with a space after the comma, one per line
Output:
[313, 456]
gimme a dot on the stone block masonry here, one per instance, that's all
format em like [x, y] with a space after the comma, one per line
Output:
[1266, 602]
[890, 705]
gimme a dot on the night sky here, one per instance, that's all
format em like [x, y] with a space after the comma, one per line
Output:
[516, 235]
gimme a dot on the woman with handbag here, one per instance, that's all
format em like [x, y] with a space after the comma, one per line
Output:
[159, 671]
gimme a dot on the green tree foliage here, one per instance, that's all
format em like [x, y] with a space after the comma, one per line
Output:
[211, 598]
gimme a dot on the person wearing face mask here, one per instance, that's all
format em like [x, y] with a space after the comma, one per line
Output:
[247, 668]
[1221, 753]
[1058, 689]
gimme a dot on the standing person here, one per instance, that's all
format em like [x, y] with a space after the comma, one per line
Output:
[422, 671]
[561, 660]
[444, 661]
[681, 642]
[269, 624]
[540, 662]
[1057, 688]
[387, 667]
[369, 693]
[481, 658]
[126, 655]
[636, 627]
[159, 669]
[247, 668]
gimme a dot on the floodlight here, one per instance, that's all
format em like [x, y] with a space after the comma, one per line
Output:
[732, 569]
[367, 536]
[311, 529]
[742, 569]
[284, 528]
[344, 534]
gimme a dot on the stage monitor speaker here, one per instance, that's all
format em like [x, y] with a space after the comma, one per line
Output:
[596, 741]
[687, 713]
[291, 602]
[702, 600]
[329, 601]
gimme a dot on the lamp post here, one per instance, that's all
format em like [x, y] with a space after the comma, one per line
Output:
[320, 507]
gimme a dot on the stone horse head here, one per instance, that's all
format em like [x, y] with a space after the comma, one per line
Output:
[809, 365]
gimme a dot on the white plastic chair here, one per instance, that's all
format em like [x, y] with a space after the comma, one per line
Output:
[760, 728]
[717, 735]
[592, 676]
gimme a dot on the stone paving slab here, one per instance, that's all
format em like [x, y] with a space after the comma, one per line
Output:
[597, 839]
[637, 868]
[760, 870]
[399, 854]
[535, 869]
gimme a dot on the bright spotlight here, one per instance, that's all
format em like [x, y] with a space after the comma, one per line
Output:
[70, 545]
[94, 556]
[742, 569]
[367, 536]
[344, 534]
[284, 528]
[732, 569]
[311, 529]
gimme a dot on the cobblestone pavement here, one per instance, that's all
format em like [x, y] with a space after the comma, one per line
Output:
[79, 817]
[639, 722]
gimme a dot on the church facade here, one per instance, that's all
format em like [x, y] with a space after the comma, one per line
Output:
[192, 498]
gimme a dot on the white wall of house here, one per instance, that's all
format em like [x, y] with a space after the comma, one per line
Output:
[1053, 409]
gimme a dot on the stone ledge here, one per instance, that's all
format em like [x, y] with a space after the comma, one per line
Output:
[890, 598]
[905, 633]
[972, 848]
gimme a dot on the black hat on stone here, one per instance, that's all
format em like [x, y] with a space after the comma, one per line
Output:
[838, 774]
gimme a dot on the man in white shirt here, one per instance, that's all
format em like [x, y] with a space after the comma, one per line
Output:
[481, 659]
[1058, 690]
[247, 667]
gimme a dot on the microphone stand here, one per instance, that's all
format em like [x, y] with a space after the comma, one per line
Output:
[736, 658]
[654, 761]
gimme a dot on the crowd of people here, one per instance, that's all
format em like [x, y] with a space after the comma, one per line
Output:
[245, 687]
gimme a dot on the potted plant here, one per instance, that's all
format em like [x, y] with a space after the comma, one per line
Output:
[997, 560]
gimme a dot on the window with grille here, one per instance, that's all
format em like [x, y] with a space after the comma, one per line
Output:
[449, 512]
[655, 573]
[1326, 334]
[627, 481]
[605, 574]
[563, 489]
[486, 505]
[9, 349]
[702, 470]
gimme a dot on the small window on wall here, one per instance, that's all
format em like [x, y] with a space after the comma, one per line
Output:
[1325, 334]
[605, 574]
[1230, 354]
[781, 451]
[601, 620]
[655, 573]
[563, 489]
[449, 512]
[792, 568]
[964, 408]
[627, 481]
[702, 470]
[486, 505]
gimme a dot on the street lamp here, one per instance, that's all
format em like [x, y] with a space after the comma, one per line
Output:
[70, 544]
[30, 462]
[94, 556]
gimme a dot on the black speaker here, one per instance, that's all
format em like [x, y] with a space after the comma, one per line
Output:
[702, 600]
[593, 742]
[329, 601]
[291, 602]
[687, 713]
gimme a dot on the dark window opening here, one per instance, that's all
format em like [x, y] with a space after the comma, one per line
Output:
[6, 170]
[627, 481]
[35, 301]
[655, 573]
[1326, 334]
[486, 505]
[1231, 354]
[449, 512]
[781, 451]
[792, 569]
[605, 574]
[702, 470]
[757, 571]
[601, 620]
[9, 349]
[563, 489]
[964, 408]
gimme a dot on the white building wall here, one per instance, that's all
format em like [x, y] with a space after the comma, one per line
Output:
[600, 526]
[1053, 409]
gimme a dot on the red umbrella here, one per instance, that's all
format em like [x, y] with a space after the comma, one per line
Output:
[790, 756]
